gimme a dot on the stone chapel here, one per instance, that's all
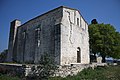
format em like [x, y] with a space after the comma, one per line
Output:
[61, 32]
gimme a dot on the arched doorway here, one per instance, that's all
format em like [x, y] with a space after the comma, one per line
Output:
[78, 55]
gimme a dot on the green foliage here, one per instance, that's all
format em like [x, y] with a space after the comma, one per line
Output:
[45, 68]
[5, 77]
[48, 66]
[100, 73]
[104, 39]
[94, 21]
[3, 55]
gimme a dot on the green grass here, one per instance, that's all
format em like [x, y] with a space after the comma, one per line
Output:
[100, 73]
[5, 77]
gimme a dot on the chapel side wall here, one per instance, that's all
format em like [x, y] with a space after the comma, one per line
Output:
[28, 49]
[73, 35]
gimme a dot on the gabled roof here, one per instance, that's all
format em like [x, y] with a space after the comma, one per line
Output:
[52, 11]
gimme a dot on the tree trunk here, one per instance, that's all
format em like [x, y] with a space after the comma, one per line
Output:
[103, 58]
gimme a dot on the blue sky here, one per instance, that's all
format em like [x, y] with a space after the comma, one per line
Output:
[105, 11]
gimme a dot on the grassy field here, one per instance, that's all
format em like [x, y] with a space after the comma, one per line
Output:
[100, 73]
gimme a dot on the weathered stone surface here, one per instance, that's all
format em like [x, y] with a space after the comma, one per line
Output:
[70, 70]
[74, 36]
[61, 32]
[12, 40]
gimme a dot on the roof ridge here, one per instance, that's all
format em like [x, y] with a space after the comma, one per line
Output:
[51, 11]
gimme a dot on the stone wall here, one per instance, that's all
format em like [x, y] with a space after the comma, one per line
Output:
[70, 70]
[74, 36]
[38, 36]
[12, 69]
[63, 71]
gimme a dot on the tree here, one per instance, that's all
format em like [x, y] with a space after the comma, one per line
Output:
[94, 21]
[3, 55]
[116, 47]
[44, 69]
[104, 40]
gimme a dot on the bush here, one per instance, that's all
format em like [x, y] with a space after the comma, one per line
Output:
[45, 69]
[5, 77]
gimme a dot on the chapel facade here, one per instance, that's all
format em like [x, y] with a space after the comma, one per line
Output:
[61, 32]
